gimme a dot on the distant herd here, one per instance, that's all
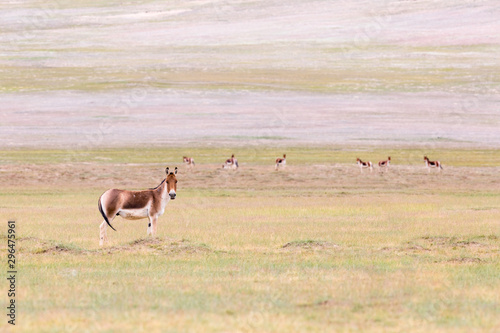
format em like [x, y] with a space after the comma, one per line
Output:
[386, 163]
[151, 203]
[232, 163]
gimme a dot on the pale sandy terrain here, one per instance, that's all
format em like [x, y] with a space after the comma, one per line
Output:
[328, 180]
[87, 74]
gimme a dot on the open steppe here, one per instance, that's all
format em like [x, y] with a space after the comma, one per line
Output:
[100, 94]
[318, 246]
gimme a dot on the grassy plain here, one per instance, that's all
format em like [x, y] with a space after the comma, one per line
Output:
[318, 246]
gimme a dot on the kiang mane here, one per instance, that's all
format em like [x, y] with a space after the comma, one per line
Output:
[155, 188]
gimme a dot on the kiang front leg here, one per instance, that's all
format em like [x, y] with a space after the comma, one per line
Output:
[149, 225]
[152, 221]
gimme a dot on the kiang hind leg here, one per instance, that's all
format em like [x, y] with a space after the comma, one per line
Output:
[103, 237]
[103, 234]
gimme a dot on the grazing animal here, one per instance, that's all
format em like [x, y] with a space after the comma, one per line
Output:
[189, 161]
[432, 164]
[281, 162]
[134, 205]
[364, 165]
[385, 164]
[231, 163]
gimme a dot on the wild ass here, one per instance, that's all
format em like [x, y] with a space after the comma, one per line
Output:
[363, 165]
[432, 164]
[280, 162]
[385, 164]
[134, 205]
[231, 163]
[189, 161]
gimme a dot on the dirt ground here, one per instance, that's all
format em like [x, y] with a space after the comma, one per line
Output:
[314, 179]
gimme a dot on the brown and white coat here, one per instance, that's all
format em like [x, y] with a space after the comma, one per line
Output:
[231, 163]
[189, 161]
[432, 164]
[364, 165]
[280, 162]
[385, 164]
[134, 205]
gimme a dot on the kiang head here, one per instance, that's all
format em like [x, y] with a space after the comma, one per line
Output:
[171, 183]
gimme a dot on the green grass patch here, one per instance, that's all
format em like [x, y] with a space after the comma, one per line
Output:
[257, 155]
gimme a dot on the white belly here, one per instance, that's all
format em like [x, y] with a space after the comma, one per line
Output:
[133, 214]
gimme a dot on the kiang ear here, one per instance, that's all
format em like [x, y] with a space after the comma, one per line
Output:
[175, 170]
[166, 170]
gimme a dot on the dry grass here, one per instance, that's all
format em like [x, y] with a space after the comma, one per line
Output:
[309, 248]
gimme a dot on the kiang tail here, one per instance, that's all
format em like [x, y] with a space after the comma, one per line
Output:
[104, 215]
